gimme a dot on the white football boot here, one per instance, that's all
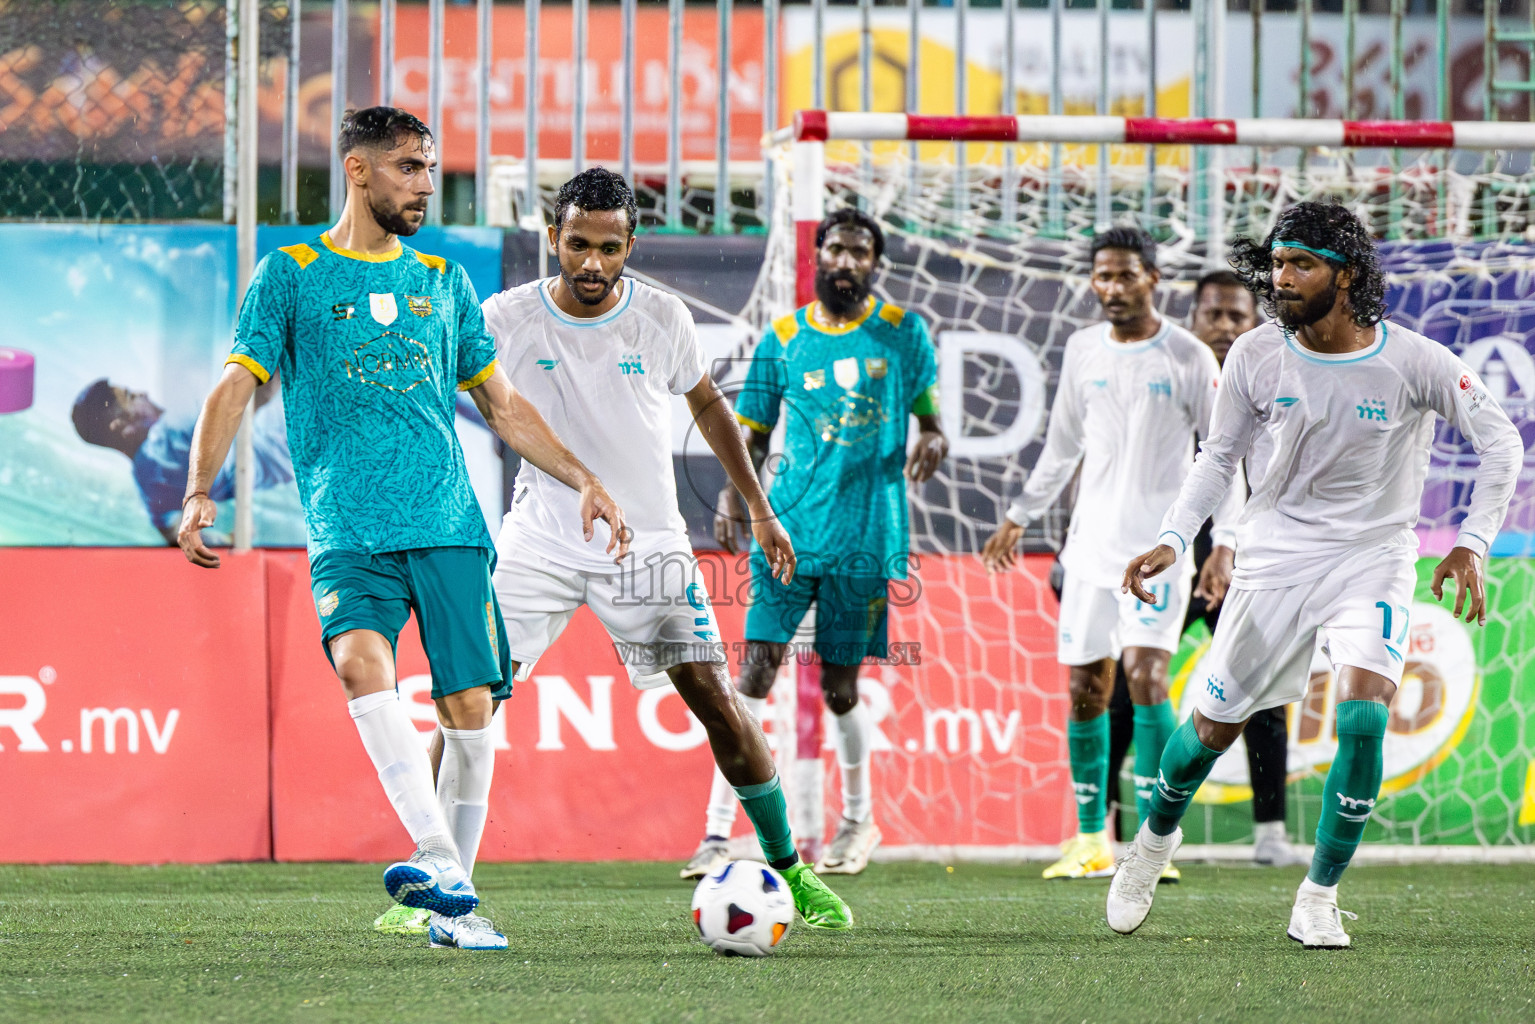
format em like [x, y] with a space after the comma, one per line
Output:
[469, 931]
[1315, 920]
[711, 855]
[1272, 849]
[1135, 883]
[849, 851]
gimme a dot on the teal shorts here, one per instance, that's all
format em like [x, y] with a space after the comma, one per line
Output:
[448, 589]
[851, 613]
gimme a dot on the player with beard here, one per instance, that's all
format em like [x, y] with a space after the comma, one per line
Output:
[1333, 409]
[606, 354]
[1134, 395]
[373, 341]
[852, 370]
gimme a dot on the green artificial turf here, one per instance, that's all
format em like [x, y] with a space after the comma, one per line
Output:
[286, 942]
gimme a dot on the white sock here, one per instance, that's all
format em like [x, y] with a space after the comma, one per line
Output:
[852, 743]
[1153, 842]
[463, 787]
[1329, 892]
[721, 817]
[394, 746]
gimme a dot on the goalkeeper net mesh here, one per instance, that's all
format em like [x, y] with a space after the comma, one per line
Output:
[993, 256]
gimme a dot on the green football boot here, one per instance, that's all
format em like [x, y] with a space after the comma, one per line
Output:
[402, 920]
[818, 905]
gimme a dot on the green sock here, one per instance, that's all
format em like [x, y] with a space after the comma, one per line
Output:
[1088, 746]
[1185, 763]
[1154, 723]
[769, 815]
[1353, 783]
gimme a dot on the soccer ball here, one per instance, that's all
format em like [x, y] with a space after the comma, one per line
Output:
[743, 909]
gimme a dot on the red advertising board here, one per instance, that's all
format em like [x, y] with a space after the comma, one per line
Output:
[133, 707]
[604, 82]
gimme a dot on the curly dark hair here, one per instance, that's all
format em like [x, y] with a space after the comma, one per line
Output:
[851, 216]
[1327, 226]
[596, 188]
[1130, 238]
[380, 128]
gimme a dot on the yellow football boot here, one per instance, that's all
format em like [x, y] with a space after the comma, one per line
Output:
[1086, 855]
[1170, 875]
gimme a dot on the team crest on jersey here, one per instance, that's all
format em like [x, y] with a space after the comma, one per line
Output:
[421, 305]
[383, 307]
[875, 368]
[815, 379]
[328, 603]
[845, 372]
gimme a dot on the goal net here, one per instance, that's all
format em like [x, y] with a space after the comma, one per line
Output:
[987, 221]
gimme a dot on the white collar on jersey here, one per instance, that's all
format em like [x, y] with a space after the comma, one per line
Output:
[1135, 346]
[576, 321]
[1336, 357]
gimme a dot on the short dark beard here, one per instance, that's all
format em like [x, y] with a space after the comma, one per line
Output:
[1311, 311]
[835, 301]
[393, 222]
[611, 283]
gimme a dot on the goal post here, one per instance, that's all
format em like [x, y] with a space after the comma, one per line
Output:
[986, 220]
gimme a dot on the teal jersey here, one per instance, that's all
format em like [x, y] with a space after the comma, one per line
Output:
[372, 351]
[846, 396]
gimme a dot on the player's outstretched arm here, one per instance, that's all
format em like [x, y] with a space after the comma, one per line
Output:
[716, 421]
[1466, 567]
[930, 450]
[216, 428]
[518, 423]
[732, 527]
[1144, 567]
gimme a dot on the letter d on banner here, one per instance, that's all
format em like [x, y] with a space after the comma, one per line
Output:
[953, 347]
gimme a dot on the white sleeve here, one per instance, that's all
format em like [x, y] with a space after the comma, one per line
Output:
[688, 359]
[1456, 393]
[1062, 452]
[1223, 531]
[1233, 424]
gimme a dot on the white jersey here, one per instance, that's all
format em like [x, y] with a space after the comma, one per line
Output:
[1130, 414]
[604, 386]
[1337, 450]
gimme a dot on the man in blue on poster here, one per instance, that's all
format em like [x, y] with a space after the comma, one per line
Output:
[159, 445]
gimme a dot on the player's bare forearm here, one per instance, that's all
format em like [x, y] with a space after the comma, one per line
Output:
[716, 421]
[216, 428]
[515, 420]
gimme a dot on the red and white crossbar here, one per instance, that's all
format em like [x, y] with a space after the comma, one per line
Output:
[1268, 133]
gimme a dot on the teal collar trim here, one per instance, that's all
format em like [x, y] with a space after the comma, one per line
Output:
[1341, 357]
[575, 321]
[1326, 254]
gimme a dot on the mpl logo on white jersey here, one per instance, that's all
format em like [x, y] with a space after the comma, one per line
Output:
[1429, 714]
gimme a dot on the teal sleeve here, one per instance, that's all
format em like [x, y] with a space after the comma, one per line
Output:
[924, 377]
[476, 346]
[265, 327]
[757, 404]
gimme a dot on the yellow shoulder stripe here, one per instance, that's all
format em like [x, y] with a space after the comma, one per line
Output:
[302, 254]
[479, 378]
[261, 372]
[437, 263]
[892, 315]
[786, 327]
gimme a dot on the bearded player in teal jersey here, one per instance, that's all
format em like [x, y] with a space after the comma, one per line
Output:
[372, 340]
[851, 369]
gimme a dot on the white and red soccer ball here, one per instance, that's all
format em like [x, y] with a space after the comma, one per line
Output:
[743, 909]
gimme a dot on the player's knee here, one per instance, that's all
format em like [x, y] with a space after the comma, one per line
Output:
[466, 709]
[1086, 693]
[756, 680]
[840, 689]
[362, 673]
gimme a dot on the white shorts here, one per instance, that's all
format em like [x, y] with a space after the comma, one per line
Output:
[658, 613]
[1261, 655]
[1100, 622]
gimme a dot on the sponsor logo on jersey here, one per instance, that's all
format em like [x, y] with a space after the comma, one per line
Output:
[421, 305]
[343, 311]
[1285, 403]
[383, 308]
[1355, 809]
[328, 603]
[815, 379]
[875, 368]
[1163, 388]
[548, 364]
[1216, 687]
[391, 361]
[1372, 409]
[630, 364]
[1101, 383]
